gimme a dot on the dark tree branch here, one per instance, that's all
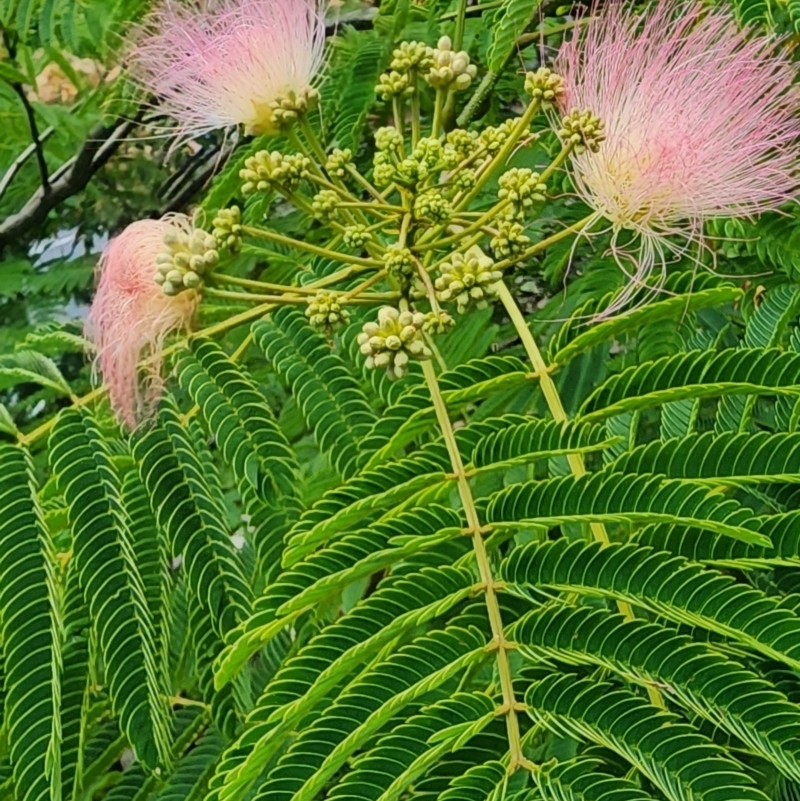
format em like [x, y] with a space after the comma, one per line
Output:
[37, 141]
[71, 178]
[20, 160]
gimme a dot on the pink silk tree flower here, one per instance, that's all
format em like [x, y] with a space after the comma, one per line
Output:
[130, 316]
[221, 63]
[700, 122]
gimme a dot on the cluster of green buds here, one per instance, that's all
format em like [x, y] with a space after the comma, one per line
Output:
[467, 279]
[338, 159]
[399, 262]
[287, 108]
[394, 340]
[265, 171]
[509, 240]
[409, 56]
[545, 86]
[426, 239]
[450, 69]
[227, 229]
[583, 129]
[356, 236]
[325, 203]
[186, 258]
[522, 188]
[325, 310]
[393, 84]
[433, 206]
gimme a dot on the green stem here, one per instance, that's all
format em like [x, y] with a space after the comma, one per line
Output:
[438, 106]
[260, 285]
[505, 151]
[472, 228]
[543, 244]
[357, 176]
[476, 9]
[477, 98]
[415, 109]
[315, 249]
[500, 643]
[458, 36]
[557, 162]
[556, 407]
[311, 138]
[397, 113]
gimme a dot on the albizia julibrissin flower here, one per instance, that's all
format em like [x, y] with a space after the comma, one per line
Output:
[700, 122]
[131, 316]
[221, 63]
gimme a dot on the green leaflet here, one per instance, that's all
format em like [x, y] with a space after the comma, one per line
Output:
[103, 550]
[705, 683]
[677, 759]
[239, 419]
[666, 585]
[693, 375]
[626, 499]
[30, 628]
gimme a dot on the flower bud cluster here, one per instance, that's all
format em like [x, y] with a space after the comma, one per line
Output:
[492, 138]
[522, 187]
[468, 280]
[432, 205]
[325, 203]
[458, 146]
[356, 236]
[583, 129]
[286, 109]
[545, 86]
[426, 159]
[389, 149]
[412, 55]
[438, 322]
[337, 162]
[228, 229]
[393, 84]
[185, 258]
[450, 70]
[267, 170]
[510, 239]
[394, 340]
[325, 310]
[399, 262]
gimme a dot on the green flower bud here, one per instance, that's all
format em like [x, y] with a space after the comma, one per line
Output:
[338, 161]
[393, 84]
[325, 311]
[394, 340]
[409, 55]
[545, 86]
[432, 205]
[468, 280]
[356, 236]
[583, 130]
[325, 204]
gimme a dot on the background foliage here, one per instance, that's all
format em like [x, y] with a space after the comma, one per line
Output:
[266, 594]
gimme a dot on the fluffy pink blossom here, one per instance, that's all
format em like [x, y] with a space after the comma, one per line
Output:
[221, 63]
[131, 316]
[700, 122]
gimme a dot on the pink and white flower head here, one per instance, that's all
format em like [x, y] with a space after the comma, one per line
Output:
[700, 122]
[131, 316]
[222, 63]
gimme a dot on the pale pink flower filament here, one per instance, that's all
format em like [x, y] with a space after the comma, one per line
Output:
[131, 316]
[700, 121]
[221, 63]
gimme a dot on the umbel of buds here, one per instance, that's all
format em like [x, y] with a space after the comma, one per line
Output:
[288, 107]
[185, 258]
[583, 129]
[544, 86]
[522, 187]
[509, 240]
[467, 279]
[394, 340]
[274, 170]
[450, 70]
[227, 228]
[325, 311]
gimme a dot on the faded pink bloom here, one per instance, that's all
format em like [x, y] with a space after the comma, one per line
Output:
[131, 316]
[700, 122]
[221, 63]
